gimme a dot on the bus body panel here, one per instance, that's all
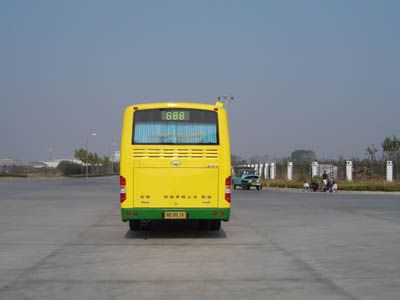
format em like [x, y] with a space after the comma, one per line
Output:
[175, 187]
[168, 177]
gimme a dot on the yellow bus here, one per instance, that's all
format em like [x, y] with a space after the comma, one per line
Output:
[175, 164]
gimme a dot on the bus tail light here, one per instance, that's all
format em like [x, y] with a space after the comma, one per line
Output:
[122, 193]
[228, 183]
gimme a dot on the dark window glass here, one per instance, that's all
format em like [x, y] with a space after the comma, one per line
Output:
[175, 127]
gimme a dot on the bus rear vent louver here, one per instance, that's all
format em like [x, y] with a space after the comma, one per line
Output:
[175, 153]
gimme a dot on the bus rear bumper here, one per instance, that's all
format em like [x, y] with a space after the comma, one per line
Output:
[191, 213]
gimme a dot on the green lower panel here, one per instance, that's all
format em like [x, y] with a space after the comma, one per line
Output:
[158, 213]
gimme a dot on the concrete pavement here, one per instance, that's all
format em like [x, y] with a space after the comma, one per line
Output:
[63, 239]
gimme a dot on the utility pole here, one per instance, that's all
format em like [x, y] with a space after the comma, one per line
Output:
[51, 153]
[87, 153]
[112, 157]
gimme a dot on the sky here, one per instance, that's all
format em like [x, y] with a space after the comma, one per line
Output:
[320, 75]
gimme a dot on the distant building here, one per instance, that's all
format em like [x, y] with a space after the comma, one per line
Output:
[7, 161]
[16, 165]
[56, 162]
[38, 165]
[51, 164]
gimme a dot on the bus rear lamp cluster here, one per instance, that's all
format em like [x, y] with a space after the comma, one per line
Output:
[135, 213]
[215, 213]
[228, 183]
[122, 193]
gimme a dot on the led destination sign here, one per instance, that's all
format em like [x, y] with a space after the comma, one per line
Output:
[175, 115]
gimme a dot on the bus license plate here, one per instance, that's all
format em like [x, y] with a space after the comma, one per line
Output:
[175, 215]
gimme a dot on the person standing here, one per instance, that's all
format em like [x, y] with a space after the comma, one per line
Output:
[325, 178]
[334, 187]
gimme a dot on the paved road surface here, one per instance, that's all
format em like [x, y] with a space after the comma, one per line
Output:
[63, 239]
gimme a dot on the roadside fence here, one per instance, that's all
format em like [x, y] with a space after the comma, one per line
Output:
[361, 170]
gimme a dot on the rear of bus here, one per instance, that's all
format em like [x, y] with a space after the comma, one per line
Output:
[175, 164]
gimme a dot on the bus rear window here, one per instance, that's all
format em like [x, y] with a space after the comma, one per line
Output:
[175, 127]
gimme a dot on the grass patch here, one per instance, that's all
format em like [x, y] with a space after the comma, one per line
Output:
[8, 175]
[369, 186]
[90, 175]
[280, 183]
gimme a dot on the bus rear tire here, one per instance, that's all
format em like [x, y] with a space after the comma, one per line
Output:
[204, 224]
[146, 224]
[215, 224]
[134, 225]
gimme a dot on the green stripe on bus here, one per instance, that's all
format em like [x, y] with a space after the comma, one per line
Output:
[158, 213]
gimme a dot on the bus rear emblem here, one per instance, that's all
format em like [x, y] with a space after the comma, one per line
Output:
[176, 163]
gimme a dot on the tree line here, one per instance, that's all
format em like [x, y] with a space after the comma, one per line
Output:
[96, 164]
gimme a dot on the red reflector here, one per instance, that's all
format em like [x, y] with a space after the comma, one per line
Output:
[122, 197]
[228, 181]
[135, 213]
[222, 213]
[228, 197]
[128, 213]
[215, 213]
[122, 181]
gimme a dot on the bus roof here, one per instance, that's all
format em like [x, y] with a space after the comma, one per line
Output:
[172, 104]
